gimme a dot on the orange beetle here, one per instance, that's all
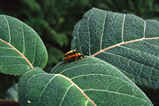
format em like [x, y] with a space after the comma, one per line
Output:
[71, 52]
[72, 56]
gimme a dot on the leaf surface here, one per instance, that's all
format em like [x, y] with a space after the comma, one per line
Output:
[123, 40]
[37, 87]
[102, 83]
[12, 93]
[88, 82]
[20, 47]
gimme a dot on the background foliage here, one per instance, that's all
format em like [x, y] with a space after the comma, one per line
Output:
[54, 21]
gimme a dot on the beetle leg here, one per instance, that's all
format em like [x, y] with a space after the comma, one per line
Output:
[82, 58]
[66, 61]
[76, 59]
[64, 64]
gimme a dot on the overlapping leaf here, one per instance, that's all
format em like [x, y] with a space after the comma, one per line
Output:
[124, 40]
[37, 87]
[88, 82]
[20, 47]
[12, 93]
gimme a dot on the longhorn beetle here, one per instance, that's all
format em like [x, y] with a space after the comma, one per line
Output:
[72, 55]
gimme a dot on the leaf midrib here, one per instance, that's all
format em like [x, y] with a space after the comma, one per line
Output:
[122, 43]
[77, 88]
[18, 52]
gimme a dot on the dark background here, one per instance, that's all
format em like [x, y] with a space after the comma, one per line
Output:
[54, 21]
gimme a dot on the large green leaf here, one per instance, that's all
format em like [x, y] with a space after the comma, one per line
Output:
[123, 40]
[20, 47]
[88, 82]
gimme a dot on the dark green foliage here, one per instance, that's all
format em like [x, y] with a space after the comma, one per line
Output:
[100, 29]
[54, 20]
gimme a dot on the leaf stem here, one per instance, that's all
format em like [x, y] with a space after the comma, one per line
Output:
[8, 103]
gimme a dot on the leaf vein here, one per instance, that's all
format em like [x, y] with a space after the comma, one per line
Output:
[18, 52]
[97, 75]
[101, 90]
[65, 94]
[122, 33]
[8, 28]
[12, 56]
[122, 43]
[23, 38]
[129, 59]
[76, 67]
[34, 49]
[79, 37]
[46, 86]
[103, 30]
[89, 31]
[6, 48]
[144, 29]
[13, 65]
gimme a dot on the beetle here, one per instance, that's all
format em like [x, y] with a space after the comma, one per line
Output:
[72, 55]
[71, 52]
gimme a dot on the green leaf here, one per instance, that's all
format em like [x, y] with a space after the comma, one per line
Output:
[37, 87]
[123, 40]
[86, 83]
[20, 47]
[12, 93]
